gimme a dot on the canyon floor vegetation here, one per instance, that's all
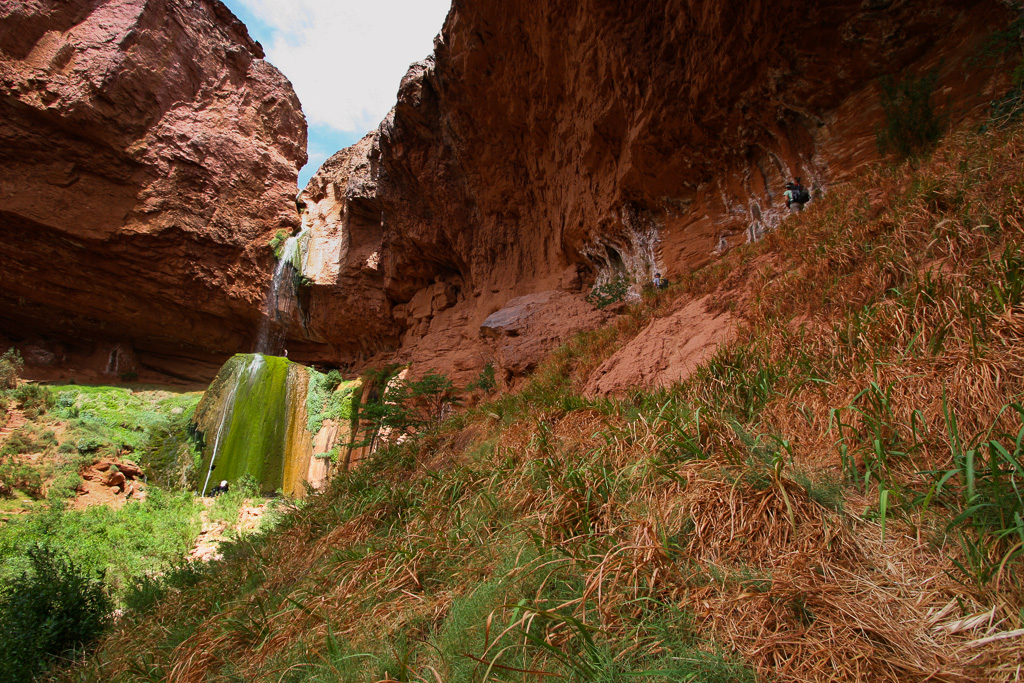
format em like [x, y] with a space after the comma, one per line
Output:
[837, 494]
[66, 564]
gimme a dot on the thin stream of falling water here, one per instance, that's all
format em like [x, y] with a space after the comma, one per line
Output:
[245, 373]
[265, 342]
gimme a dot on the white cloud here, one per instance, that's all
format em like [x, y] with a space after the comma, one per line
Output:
[345, 59]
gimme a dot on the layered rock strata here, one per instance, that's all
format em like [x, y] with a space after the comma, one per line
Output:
[546, 147]
[147, 154]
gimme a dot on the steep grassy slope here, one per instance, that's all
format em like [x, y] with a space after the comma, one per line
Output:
[835, 495]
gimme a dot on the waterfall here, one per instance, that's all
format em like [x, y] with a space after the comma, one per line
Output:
[249, 408]
[293, 256]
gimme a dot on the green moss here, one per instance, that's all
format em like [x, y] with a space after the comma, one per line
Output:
[330, 398]
[245, 417]
[298, 256]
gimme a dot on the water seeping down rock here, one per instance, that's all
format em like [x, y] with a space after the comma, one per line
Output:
[247, 420]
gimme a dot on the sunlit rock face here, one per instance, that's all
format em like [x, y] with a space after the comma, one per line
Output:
[554, 145]
[147, 154]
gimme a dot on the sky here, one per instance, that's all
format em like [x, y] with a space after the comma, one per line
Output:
[344, 58]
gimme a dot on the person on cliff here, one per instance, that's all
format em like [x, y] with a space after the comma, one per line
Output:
[796, 196]
[659, 282]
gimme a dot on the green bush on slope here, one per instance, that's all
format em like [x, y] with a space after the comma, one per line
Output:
[50, 610]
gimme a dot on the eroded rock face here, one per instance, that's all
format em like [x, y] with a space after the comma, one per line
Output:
[667, 351]
[147, 154]
[346, 314]
[551, 145]
[529, 327]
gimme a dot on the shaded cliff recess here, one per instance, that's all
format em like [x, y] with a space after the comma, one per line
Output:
[147, 153]
[554, 147]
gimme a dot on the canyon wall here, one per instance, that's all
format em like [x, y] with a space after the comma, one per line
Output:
[548, 146]
[147, 154]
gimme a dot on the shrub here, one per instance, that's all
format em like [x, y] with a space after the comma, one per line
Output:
[14, 475]
[276, 242]
[248, 486]
[29, 439]
[145, 590]
[609, 293]
[90, 444]
[485, 381]
[911, 124]
[33, 398]
[65, 405]
[49, 611]
[11, 365]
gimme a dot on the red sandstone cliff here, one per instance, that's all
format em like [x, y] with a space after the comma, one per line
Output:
[549, 143]
[147, 154]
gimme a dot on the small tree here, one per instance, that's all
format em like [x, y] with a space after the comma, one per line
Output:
[611, 292]
[11, 365]
[485, 381]
[404, 406]
[428, 396]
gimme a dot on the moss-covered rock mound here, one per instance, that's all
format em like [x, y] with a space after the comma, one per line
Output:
[252, 421]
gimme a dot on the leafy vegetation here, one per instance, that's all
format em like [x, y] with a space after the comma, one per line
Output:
[609, 293]
[911, 125]
[10, 369]
[123, 542]
[276, 243]
[837, 488]
[485, 381]
[11, 365]
[50, 610]
[398, 407]
[148, 426]
[330, 398]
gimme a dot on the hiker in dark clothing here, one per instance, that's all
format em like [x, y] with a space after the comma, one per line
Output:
[220, 488]
[796, 196]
